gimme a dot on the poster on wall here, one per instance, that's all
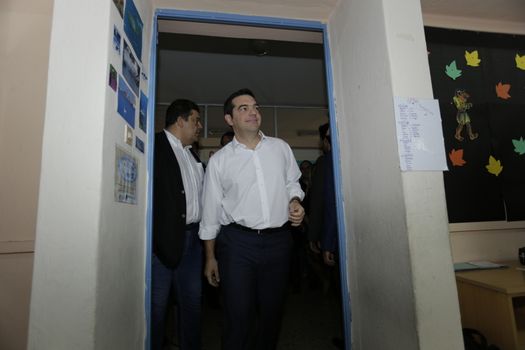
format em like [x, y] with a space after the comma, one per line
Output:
[419, 135]
[130, 68]
[120, 6]
[133, 27]
[116, 39]
[126, 102]
[112, 77]
[143, 111]
[126, 171]
[139, 144]
[479, 81]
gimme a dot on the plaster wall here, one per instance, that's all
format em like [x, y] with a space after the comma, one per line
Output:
[400, 287]
[304, 9]
[120, 306]
[25, 28]
[88, 284]
[437, 308]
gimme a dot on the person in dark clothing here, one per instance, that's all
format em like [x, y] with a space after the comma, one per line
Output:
[177, 251]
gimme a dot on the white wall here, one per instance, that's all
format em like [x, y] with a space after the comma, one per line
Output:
[25, 28]
[120, 311]
[401, 277]
[88, 285]
[304, 9]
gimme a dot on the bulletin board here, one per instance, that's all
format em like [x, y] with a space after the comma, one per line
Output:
[479, 80]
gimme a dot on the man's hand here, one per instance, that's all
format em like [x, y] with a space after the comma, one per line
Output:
[211, 271]
[315, 247]
[328, 258]
[295, 212]
[211, 268]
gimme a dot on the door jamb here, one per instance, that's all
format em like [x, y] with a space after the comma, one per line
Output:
[257, 21]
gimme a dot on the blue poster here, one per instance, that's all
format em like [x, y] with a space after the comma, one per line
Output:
[130, 68]
[139, 144]
[126, 102]
[143, 111]
[133, 27]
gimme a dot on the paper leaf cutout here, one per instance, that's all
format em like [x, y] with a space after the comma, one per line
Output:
[520, 61]
[502, 91]
[494, 167]
[456, 157]
[519, 146]
[472, 58]
[452, 71]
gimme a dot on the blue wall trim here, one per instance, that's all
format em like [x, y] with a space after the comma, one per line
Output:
[149, 213]
[341, 227]
[273, 22]
[216, 17]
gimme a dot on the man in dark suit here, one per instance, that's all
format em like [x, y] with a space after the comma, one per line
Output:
[177, 250]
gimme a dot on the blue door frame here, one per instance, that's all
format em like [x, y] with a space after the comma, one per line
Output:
[256, 21]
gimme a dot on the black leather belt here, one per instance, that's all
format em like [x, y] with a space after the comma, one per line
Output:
[192, 226]
[262, 231]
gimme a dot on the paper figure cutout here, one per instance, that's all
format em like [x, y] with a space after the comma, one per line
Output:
[456, 157]
[519, 146]
[452, 71]
[494, 167]
[462, 117]
[472, 58]
[520, 61]
[502, 91]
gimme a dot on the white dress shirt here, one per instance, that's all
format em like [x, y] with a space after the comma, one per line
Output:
[192, 177]
[252, 188]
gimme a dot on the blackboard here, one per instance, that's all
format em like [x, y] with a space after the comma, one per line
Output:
[482, 102]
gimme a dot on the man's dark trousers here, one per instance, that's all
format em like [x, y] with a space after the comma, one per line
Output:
[186, 280]
[253, 270]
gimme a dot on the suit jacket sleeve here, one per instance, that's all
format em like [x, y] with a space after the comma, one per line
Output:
[169, 204]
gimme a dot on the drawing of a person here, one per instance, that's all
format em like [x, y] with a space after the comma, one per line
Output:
[460, 101]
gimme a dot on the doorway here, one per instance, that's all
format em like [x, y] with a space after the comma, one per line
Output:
[195, 33]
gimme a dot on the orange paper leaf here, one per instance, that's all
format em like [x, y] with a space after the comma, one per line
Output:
[502, 90]
[456, 157]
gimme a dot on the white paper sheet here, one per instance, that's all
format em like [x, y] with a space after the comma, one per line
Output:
[419, 135]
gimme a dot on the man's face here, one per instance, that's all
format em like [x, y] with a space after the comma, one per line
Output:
[245, 115]
[190, 129]
[305, 168]
[226, 139]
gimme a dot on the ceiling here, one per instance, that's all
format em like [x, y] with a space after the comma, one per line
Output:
[492, 10]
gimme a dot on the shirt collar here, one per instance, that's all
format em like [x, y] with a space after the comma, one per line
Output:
[235, 143]
[175, 140]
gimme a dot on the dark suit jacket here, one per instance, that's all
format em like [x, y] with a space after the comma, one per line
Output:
[169, 204]
[316, 213]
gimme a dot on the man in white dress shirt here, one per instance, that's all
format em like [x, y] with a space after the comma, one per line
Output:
[251, 193]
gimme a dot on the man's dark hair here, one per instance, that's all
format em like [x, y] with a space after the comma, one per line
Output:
[179, 108]
[323, 130]
[228, 104]
[229, 134]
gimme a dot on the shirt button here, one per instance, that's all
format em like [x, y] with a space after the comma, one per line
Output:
[182, 191]
[183, 215]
